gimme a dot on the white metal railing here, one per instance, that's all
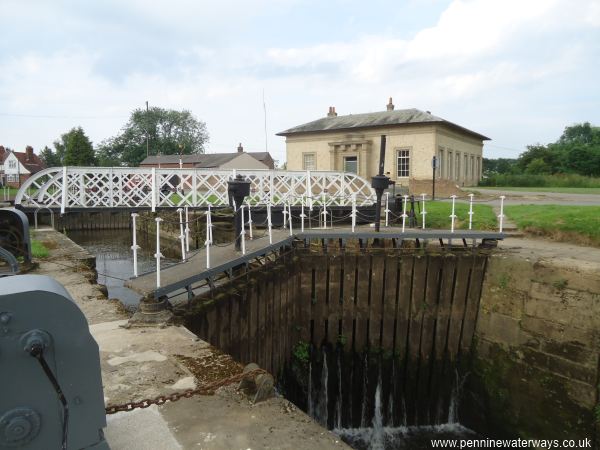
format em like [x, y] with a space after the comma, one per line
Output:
[114, 187]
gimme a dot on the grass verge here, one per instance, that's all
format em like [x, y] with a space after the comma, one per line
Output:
[38, 249]
[563, 190]
[438, 216]
[537, 180]
[575, 224]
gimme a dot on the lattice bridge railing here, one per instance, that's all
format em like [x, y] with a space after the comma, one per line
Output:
[127, 187]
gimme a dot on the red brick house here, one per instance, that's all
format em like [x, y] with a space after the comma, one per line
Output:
[16, 167]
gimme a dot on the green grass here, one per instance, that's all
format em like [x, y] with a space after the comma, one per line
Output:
[565, 190]
[38, 249]
[577, 224]
[438, 216]
[533, 180]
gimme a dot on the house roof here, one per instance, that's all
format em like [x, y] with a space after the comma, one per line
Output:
[33, 165]
[376, 119]
[203, 161]
[261, 156]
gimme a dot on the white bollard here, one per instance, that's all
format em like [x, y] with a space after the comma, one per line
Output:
[404, 216]
[134, 247]
[324, 212]
[208, 241]
[187, 230]
[250, 220]
[501, 216]
[302, 215]
[387, 208]
[353, 211]
[284, 212]
[471, 211]
[269, 223]
[243, 231]
[290, 216]
[452, 216]
[181, 233]
[158, 255]
[423, 212]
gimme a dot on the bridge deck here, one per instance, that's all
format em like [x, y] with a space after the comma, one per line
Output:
[223, 258]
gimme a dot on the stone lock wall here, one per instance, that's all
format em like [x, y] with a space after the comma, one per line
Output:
[537, 349]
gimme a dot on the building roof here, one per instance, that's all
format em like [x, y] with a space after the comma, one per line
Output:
[33, 164]
[202, 161]
[376, 119]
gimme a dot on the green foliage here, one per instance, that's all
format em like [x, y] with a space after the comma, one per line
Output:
[38, 249]
[560, 284]
[537, 166]
[75, 149]
[504, 281]
[577, 151]
[567, 223]
[301, 352]
[498, 166]
[50, 158]
[166, 131]
[532, 180]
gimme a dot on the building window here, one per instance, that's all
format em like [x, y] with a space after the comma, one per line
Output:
[450, 174]
[472, 167]
[12, 164]
[466, 168]
[12, 178]
[351, 164]
[403, 163]
[309, 161]
[440, 163]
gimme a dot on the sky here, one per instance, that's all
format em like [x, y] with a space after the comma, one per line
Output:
[518, 71]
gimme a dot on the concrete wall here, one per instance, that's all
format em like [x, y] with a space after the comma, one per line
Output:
[423, 142]
[538, 347]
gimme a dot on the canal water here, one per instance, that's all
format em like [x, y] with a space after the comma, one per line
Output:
[114, 259]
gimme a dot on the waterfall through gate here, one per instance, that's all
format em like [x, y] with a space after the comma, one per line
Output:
[365, 398]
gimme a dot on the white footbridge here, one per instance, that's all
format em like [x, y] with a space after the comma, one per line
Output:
[62, 188]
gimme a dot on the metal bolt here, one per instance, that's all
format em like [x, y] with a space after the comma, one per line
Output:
[5, 318]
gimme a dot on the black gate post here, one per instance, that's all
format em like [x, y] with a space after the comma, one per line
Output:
[380, 182]
[238, 188]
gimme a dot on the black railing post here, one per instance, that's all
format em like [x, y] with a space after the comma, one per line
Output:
[238, 188]
[380, 182]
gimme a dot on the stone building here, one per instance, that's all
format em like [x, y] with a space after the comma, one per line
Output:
[351, 143]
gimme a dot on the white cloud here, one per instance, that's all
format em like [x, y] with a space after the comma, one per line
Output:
[471, 66]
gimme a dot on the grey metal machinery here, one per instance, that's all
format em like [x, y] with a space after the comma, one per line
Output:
[14, 237]
[51, 388]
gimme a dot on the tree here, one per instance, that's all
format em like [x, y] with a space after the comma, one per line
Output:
[50, 158]
[75, 149]
[498, 166]
[156, 131]
[537, 166]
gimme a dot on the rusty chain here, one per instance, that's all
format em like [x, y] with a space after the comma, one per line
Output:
[208, 389]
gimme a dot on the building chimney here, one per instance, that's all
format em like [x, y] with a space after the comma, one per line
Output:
[240, 149]
[29, 153]
[390, 105]
[331, 112]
